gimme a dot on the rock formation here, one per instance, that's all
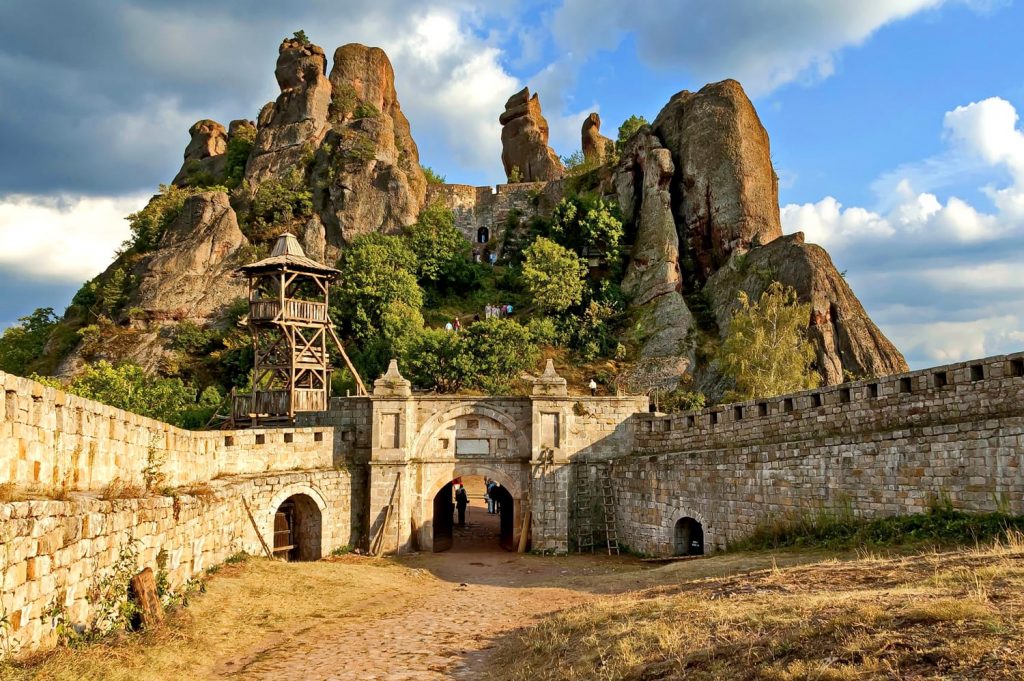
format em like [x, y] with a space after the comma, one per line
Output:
[205, 153]
[189, 275]
[297, 121]
[366, 174]
[848, 343]
[596, 147]
[699, 188]
[727, 190]
[524, 141]
[653, 282]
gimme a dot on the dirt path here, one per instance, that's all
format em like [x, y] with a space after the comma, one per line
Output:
[446, 629]
[444, 633]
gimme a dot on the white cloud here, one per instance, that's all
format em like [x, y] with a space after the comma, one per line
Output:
[762, 43]
[958, 265]
[64, 239]
[983, 131]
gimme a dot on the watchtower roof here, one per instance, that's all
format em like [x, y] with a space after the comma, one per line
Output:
[288, 256]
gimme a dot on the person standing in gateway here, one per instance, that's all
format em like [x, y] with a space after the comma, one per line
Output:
[461, 501]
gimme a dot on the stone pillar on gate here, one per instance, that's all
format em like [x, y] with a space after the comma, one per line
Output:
[393, 434]
[550, 462]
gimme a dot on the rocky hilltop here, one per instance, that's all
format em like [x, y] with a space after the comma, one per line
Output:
[333, 158]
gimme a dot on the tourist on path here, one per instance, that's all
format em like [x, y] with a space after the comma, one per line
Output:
[449, 327]
[461, 501]
[593, 387]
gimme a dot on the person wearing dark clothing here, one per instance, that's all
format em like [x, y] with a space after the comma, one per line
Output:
[461, 501]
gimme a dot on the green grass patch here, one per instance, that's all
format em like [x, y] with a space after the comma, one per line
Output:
[840, 529]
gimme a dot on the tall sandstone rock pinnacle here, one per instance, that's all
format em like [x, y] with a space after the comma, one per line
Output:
[297, 120]
[524, 141]
[366, 175]
[596, 147]
[699, 187]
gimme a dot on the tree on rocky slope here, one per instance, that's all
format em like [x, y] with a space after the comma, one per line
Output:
[22, 343]
[766, 351]
[553, 275]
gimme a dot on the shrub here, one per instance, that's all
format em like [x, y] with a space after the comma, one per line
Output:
[300, 36]
[765, 351]
[130, 387]
[239, 148]
[553, 275]
[365, 110]
[432, 176]
[149, 224]
[628, 129]
[277, 202]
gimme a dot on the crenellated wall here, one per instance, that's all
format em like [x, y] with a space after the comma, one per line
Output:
[373, 466]
[881, 446]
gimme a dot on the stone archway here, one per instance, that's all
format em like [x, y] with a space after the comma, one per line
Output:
[519, 445]
[433, 517]
[296, 511]
[671, 528]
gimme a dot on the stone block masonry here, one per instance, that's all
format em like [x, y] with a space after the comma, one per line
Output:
[53, 552]
[882, 447]
[51, 440]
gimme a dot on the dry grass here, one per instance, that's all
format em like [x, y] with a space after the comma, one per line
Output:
[9, 492]
[121, 489]
[248, 610]
[938, 615]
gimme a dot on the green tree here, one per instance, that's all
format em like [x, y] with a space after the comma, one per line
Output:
[488, 355]
[439, 246]
[149, 224]
[765, 351]
[439, 360]
[501, 350]
[588, 226]
[628, 129]
[553, 275]
[24, 342]
[300, 35]
[130, 387]
[433, 177]
[376, 271]
[239, 148]
[278, 202]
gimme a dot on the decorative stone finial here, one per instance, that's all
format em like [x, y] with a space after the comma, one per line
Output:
[392, 383]
[550, 383]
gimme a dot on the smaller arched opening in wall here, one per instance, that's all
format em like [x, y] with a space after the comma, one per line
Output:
[483, 235]
[689, 537]
[298, 529]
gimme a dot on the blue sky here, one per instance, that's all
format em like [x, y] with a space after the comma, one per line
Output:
[893, 122]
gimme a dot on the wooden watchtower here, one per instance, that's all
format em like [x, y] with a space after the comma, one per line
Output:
[288, 299]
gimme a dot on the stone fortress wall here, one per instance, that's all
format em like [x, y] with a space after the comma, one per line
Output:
[881, 447]
[62, 452]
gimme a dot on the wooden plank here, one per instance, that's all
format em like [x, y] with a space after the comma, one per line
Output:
[257, 529]
[151, 610]
[525, 531]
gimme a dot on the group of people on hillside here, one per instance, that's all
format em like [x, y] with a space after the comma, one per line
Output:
[454, 325]
[494, 311]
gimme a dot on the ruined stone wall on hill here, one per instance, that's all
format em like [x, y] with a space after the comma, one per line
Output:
[489, 207]
[880, 447]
